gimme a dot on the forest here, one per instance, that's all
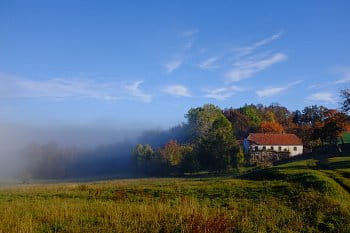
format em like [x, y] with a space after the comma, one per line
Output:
[209, 140]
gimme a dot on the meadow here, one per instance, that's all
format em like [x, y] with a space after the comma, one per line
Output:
[309, 195]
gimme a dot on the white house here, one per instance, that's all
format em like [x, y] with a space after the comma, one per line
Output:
[260, 142]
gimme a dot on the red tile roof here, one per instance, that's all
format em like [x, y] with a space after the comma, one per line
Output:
[274, 139]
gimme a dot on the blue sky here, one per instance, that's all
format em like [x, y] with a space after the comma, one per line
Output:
[145, 63]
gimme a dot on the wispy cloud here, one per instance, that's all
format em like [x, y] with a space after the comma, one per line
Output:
[209, 63]
[58, 88]
[270, 91]
[63, 88]
[246, 68]
[190, 32]
[222, 93]
[178, 59]
[345, 76]
[243, 51]
[134, 90]
[326, 97]
[177, 90]
[189, 36]
[173, 65]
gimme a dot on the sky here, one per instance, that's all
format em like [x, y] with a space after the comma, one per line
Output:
[143, 64]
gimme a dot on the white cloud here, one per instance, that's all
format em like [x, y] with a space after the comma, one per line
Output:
[209, 63]
[222, 93]
[177, 90]
[243, 51]
[58, 89]
[173, 65]
[134, 90]
[270, 91]
[326, 97]
[247, 68]
[63, 88]
[190, 32]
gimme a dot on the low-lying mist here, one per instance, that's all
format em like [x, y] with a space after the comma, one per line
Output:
[69, 152]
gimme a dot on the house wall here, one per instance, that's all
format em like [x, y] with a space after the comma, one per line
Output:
[290, 148]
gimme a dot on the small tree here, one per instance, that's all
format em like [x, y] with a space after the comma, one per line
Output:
[345, 95]
[172, 152]
[239, 158]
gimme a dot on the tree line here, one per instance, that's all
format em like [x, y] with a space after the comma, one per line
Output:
[210, 138]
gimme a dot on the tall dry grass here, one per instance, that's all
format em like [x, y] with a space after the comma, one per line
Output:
[171, 205]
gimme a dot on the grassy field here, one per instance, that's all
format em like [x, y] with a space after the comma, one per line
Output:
[304, 196]
[346, 137]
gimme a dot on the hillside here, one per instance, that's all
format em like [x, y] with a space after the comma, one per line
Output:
[309, 195]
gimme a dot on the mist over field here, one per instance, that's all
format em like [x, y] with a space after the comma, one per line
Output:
[15, 139]
[81, 151]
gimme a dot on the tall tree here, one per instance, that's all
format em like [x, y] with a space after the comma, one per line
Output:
[200, 121]
[239, 122]
[217, 150]
[314, 113]
[281, 113]
[251, 112]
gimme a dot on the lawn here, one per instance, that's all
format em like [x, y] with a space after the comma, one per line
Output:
[346, 137]
[302, 196]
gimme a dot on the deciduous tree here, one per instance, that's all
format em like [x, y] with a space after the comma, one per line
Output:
[270, 127]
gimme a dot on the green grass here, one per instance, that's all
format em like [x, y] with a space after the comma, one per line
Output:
[303, 196]
[346, 137]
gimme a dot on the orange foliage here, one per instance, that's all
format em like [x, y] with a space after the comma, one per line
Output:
[347, 127]
[270, 127]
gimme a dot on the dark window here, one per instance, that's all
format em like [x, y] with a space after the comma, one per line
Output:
[280, 148]
[271, 148]
[256, 148]
[264, 147]
[295, 148]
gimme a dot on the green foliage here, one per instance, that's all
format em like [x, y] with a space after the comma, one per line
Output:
[189, 162]
[142, 153]
[269, 116]
[200, 121]
[254, 118]
[313, 114]
[217, 149]
[172, 152]
[239, 157]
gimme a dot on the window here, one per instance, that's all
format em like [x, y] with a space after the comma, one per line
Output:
[295, 148]
[264, 147]
[271, 147]
[280, 148]
[256, 148]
